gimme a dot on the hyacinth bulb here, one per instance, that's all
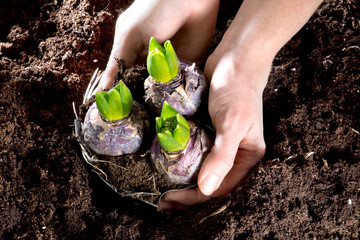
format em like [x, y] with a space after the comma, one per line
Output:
[180, 83]
[179, 147]
[115, 124]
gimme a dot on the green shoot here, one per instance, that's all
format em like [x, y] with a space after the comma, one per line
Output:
[115, 104]
[162, 62]
[172, 129]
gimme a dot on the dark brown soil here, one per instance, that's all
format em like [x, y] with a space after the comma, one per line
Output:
[306, 187]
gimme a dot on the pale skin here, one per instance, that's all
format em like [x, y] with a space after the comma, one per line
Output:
[238, 70]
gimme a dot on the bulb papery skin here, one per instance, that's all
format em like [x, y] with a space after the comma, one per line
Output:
[182, 167]
[184, 92]
[115, 138]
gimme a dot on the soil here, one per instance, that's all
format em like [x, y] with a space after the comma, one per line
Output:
[306, 187]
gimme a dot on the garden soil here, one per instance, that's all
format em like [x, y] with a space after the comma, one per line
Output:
[306, 187]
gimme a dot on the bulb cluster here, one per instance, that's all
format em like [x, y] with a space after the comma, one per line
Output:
[115, 124]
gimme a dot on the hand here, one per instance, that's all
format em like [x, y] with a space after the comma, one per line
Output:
[235, 107]
[238, 70]
[189, 25]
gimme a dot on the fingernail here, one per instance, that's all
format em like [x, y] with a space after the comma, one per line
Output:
[209, 184]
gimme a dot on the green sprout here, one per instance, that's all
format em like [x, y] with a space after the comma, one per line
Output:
[115, 104]
[172, 129]
[162, 62]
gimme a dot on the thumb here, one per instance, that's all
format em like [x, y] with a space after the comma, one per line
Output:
[221, 158]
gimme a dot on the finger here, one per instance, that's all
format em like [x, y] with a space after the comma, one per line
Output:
[181, 199]
[247, 157]
[121, 50]
[127, 44]
[106, 79]
[164, 205]
[221, 158]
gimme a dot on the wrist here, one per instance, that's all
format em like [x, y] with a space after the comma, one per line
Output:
[239, 66]
[266, 26]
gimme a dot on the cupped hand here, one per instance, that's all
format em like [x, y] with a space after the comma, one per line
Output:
[189, 25]
[235, 107]
[239, 69]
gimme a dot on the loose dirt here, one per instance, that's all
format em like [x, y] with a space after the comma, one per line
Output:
[306, 187]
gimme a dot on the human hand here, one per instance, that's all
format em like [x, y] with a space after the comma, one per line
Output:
[189, 25]
[238, 70]
[235, 107]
